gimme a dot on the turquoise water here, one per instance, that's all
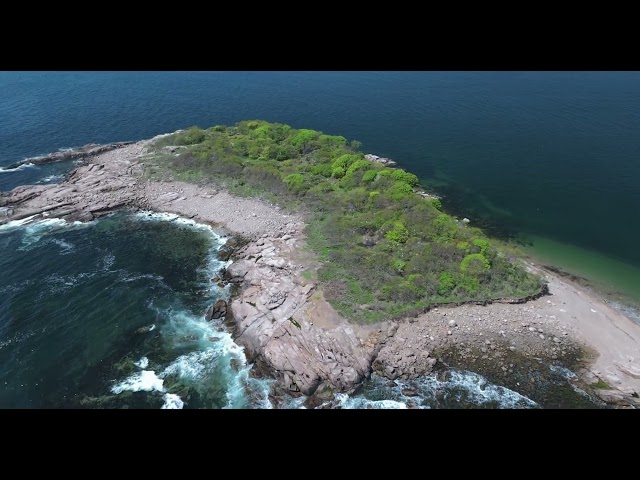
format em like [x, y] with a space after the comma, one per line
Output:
[545, 157]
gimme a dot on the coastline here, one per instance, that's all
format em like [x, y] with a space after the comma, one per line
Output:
[622, 300]
[284, 323]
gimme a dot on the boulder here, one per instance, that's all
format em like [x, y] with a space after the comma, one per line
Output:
[217, 310]
[409, 392]
[236, 272]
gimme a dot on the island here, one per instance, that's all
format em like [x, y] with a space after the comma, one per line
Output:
[344, 266]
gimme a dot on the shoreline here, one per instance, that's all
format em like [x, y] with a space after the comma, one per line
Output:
[621, 301]
[283, 321]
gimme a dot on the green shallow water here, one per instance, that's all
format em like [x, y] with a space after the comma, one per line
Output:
[618, 280]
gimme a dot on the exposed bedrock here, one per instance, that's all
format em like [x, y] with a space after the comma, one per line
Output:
[275, 321]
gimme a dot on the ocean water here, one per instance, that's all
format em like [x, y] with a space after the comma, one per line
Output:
[549, 158]
[110, 314]
[543, 156]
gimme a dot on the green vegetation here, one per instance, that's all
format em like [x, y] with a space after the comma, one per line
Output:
[386, 251]
[601, 385]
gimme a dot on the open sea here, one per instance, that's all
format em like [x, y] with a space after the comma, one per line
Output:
[109, 314]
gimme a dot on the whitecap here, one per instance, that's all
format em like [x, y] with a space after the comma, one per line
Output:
[34, 230]
[142, 363]
[476, 388]
[67, 247]
[146, 380]
[172, 402]
[18, 168]
[347, 402]
[190, 366]
[50, 178]
[16, 223]
[177, 219]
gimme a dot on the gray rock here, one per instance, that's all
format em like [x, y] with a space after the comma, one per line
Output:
[217, 310]
[409, 392]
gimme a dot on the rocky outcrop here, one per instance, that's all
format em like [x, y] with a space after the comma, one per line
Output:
[385, 161]
[87, 151]
[88, 192]
[217, 310]
[404, 358]
[274, 321]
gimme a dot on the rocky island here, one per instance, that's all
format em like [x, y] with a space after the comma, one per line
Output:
[345, 267]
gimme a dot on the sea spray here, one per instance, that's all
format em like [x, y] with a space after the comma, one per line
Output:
[172, 402]
[142, 363]
[146, 381]
[18, 168]
[454, 389]
[213, 367]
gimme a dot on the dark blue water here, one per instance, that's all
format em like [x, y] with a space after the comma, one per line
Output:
[551, 157]
[551, 154]
[110, 314]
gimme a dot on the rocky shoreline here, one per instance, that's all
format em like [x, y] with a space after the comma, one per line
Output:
[289, 330]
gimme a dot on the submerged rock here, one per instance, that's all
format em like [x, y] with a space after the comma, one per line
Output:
[146, 329]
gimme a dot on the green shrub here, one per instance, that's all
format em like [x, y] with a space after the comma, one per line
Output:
[378, 242]
[345, 161]
[191, 136]
[483, 245]
[475, 264]
[369, 176]
[275, 152]
[398, 264]
[437, 204]
[303, 136]
[323, 169]
[406, 177]
[444, 228]
[464, 246]
[398, 233]
[322, 188]
[358, 165]
[333, 140]
[294, 181]
[446, 283]
[399, 190]
[468, 283]
[385, 172]
[337, 172]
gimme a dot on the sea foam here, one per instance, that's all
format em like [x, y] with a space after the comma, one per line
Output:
[18, 168]
[146, 380]
[142, 363]
[172, 402]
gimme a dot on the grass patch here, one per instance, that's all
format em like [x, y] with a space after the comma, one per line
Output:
[601, 385]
